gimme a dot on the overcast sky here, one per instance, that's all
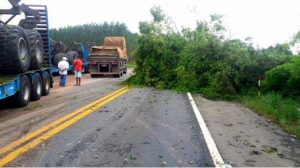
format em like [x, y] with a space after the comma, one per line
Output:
[267, 21]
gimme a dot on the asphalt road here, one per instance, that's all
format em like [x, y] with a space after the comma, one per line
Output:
[143, 127]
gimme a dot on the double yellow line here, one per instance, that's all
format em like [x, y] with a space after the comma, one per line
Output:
[35, 138]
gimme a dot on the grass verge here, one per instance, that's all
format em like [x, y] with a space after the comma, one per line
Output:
[132, 65]
[283, 111]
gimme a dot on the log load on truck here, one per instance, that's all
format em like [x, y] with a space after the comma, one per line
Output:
[25, 60]
[109, 59]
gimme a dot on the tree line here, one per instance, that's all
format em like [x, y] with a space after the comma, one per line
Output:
[94, 32]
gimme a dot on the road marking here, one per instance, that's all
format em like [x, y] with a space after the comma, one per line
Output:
[53, 124]
[11, 156]
[212, 147]
[9, 147]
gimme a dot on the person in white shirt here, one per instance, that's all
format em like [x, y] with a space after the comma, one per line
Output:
[63, 67]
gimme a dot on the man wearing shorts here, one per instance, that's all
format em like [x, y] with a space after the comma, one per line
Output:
[77, 68]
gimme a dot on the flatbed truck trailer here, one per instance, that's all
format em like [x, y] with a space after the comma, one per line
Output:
[17, 80]
[27, 86]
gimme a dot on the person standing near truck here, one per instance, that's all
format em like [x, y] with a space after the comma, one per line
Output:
[77, 68]
[63, 66]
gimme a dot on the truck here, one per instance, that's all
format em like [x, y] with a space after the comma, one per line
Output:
[76, 49]
[109, 59]
[25, 60]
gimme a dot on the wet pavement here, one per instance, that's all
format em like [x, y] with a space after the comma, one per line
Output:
[144, 127]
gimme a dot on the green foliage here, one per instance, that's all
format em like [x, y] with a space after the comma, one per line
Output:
[156, 56]
[296, 38]
[284, 78]
[282, 110]
[157, 13]
[201, 60]
[94, 33]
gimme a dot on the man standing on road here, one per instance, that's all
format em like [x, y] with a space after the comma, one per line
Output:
[63, 66]
[78, 68]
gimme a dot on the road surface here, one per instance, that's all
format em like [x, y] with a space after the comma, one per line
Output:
[142, 127]
[102, 123]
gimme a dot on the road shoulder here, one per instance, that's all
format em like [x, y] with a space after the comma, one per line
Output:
[246, 139]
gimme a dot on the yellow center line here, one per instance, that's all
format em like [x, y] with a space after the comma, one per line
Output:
[53, 124]
[11, 156]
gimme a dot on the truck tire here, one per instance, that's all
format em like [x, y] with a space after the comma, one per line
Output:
[36, 49]
[22, 97]
[36, 88]
[58, 57]
[71, 56]
[14, 50]
[46, 84]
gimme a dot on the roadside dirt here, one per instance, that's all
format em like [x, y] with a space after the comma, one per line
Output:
[246, 139]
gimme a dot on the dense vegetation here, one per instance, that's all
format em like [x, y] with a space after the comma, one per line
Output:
[204, 61]
[94, 33]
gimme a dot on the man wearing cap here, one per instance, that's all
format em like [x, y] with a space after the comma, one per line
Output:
[63, 66]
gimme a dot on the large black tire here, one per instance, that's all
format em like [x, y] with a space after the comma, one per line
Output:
[58, 57]
[71, 56]
[14, 50]
[36, 49]
[46, 84]
[36, 88]
[22, 98]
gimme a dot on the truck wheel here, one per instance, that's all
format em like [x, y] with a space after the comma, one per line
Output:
[36, 89]
[58, 57]
[14, 50]
[71, 55]
[23, 96]
[46, 84]
[36, 49]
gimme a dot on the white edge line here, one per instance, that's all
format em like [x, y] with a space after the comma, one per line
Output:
[212, 147]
